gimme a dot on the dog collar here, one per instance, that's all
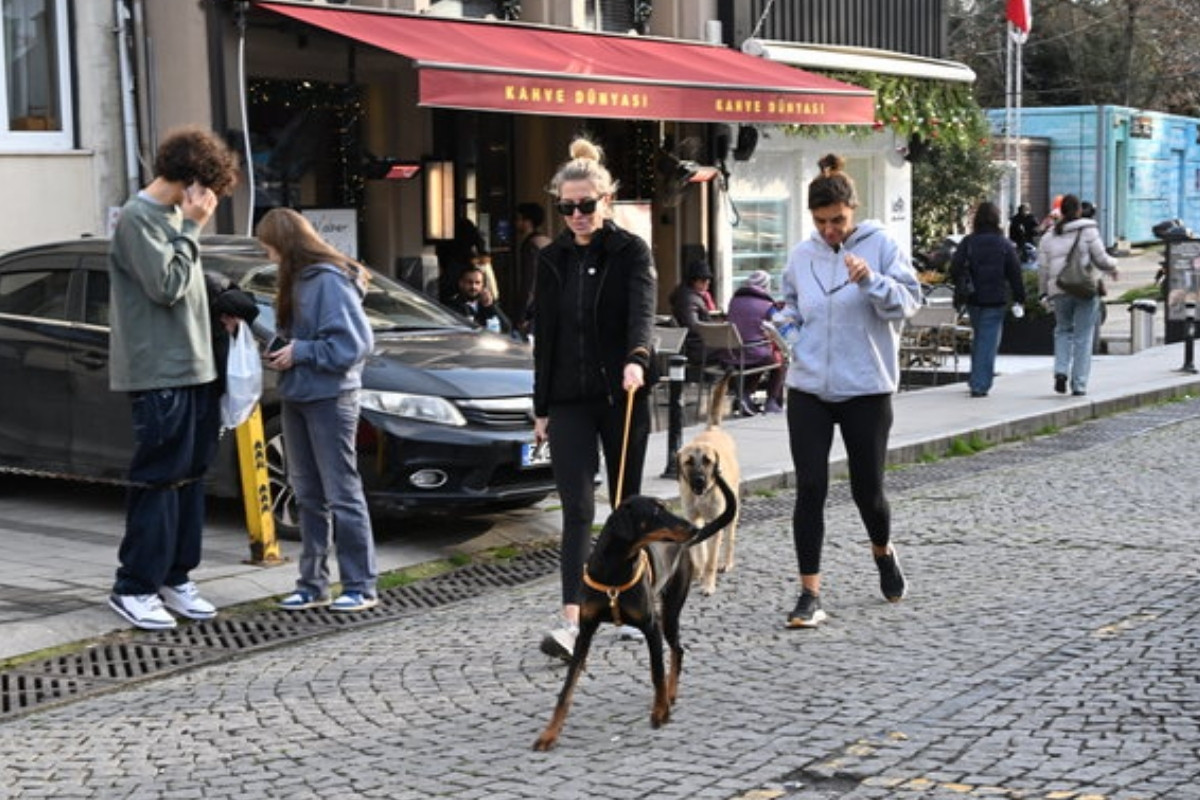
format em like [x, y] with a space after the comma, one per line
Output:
[614, 592]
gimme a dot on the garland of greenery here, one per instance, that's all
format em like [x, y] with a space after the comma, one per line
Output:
[937, 112]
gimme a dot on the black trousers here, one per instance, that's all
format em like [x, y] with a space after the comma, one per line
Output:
[865, 423]
[574, 429]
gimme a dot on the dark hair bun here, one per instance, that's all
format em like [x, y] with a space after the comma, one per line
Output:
[831, 163]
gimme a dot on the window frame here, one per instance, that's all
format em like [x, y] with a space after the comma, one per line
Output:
[63, 139]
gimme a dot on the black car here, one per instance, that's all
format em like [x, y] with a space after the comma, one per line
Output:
[447, 407]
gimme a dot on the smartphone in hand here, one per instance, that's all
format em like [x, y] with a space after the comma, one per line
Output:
[277, 343]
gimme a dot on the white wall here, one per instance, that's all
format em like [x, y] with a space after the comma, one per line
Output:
[53, 195]
[783, 165]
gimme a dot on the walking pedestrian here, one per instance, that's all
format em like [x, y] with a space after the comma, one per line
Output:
[987, 261]
[161, 354]
[594, 299]
[318, 311]
[1023, 231]
[850, 287]
[1074, 317]
[530, 218]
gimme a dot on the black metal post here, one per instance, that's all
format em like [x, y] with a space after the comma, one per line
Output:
[1189, 338]
[678, 374]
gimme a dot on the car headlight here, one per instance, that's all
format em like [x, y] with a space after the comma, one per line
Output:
[420, 407]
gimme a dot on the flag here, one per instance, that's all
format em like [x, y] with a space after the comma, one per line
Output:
[1020, 14]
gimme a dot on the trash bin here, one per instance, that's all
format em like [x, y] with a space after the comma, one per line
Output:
[1141, 324]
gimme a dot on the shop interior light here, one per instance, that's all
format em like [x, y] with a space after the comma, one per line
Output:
[439, 199]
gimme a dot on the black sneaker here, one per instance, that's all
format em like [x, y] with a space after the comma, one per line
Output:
[807, 613]
[1060, 383]
[891, 579]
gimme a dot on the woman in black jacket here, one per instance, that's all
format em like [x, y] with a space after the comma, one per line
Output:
[988, 261]
[594, 305]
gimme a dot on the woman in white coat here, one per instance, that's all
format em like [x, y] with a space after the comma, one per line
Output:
[1074, 317]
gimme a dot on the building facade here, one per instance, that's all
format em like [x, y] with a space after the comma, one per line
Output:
[386, 146]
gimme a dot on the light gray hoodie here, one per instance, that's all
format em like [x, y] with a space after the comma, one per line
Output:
[850, 333]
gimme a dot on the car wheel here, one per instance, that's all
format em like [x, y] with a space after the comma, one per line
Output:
[283, 499]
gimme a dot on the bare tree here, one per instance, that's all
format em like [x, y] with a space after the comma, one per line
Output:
[1138, 53]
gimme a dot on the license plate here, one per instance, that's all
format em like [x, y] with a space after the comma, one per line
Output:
[535, 455]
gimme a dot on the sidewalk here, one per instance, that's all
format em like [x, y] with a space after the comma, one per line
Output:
[58, 569]
[56, 573]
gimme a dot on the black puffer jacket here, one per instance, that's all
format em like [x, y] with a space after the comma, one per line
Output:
[995, 269]
[595, 314]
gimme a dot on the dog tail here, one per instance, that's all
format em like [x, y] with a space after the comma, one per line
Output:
[716, 405]
[725, 517]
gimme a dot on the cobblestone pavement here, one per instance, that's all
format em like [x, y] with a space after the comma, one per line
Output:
[1049, 649]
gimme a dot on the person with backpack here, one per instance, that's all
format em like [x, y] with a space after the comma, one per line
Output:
[1074, 316]
[987, 263]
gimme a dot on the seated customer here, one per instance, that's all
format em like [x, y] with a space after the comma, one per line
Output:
[691, 302]
[475, 302]
[749, 308]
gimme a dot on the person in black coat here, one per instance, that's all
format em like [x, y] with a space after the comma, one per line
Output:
[594, 304]
[1023, 231]
[990, 262]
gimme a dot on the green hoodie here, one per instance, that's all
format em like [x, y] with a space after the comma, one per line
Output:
[160, 336]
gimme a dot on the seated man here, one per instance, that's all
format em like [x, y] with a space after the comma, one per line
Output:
[475, 302]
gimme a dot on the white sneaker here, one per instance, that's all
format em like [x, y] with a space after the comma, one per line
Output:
[628, 633]
[560, 642]
[185, 600]
[144, 611]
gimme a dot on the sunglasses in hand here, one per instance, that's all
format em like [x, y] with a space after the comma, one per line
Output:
[568, 208]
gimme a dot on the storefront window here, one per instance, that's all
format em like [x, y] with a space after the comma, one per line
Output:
[36, 78]
[760, 239]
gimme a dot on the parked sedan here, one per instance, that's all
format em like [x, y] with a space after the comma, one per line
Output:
[447, 409]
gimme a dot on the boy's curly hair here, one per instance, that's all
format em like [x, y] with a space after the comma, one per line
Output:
[193, 154]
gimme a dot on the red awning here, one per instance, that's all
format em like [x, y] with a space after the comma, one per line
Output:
[498, 66]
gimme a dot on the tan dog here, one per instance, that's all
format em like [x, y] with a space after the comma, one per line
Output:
[702, 503]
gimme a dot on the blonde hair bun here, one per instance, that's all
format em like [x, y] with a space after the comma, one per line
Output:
[586, 150]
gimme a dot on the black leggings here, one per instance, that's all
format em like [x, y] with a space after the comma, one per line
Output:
[865, 422]
[573, 430]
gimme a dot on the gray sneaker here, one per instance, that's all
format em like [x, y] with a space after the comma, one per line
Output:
[892, 585]
[807, 613]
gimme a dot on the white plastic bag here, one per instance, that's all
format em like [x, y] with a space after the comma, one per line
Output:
[243, 378]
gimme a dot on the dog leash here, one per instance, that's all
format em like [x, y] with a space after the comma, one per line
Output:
[624, 446]
[614, 592]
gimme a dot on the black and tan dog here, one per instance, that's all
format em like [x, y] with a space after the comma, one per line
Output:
[638, 574]
[699, 460]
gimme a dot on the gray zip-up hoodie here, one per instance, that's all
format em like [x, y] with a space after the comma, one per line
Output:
[850, 333]
[331, 336]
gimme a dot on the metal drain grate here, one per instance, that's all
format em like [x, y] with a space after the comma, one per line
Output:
[138, 655]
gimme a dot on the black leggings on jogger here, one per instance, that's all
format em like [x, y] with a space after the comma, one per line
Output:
[865, 423]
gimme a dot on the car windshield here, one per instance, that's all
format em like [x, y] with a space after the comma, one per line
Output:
[390, 306]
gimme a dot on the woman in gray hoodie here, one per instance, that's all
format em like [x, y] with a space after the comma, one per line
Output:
[849, 287]
[319, 314]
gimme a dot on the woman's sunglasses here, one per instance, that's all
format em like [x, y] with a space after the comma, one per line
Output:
[567, 208]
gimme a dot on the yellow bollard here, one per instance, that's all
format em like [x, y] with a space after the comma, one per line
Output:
[256, 491]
